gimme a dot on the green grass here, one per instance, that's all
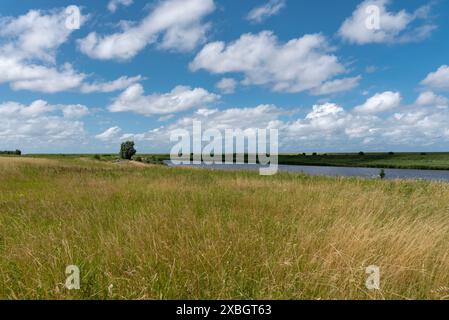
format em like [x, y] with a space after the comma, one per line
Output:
[154, 232]
[424, 161]
[373, 160]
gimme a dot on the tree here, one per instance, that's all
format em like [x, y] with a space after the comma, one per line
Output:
[127, 150]
[382, 174]
[18, 152]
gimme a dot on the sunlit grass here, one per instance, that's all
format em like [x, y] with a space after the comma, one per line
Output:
[150, 232]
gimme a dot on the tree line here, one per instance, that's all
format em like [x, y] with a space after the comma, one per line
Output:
[16, 152]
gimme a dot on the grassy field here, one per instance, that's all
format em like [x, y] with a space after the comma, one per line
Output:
[152, 232]
[372, 160]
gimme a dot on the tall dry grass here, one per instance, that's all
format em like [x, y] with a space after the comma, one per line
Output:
[165, 233]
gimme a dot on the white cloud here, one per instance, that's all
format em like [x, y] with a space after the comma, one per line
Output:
[393, 27]
[175, 24]
[324, 110]
[299, 65]
[30, 38]
[227, 85]
[22, 75]
[111, 86]
[114, 4]
[261, 13]
[337, 85]
[330, 126]
[380, 102]
[438, 79]
[16, 110]
[35, 35]
[74, 111]
[325, 127]
[40, 123]
[179, 99]
[428, 98]
[110, 134]
[38, 108]
[262, 116]
[27, 76]
[28, 48]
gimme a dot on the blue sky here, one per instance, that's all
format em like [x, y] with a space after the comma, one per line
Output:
[323, 73]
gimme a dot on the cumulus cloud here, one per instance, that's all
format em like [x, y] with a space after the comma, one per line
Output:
[28, 48]
[173, 24]
[301, 64]
[371, 22]
[262, 116]
[29, 76]
[179, 99]
[428, 98]
[31, 38]
[227, 85]
[326, 126]
[34, 35]
[330, 125]
[23, 75]
[74, 111]
[111, 86]
[338, 85]
[438, 79]
[261, 13]
[380, 102]
[41, 123]
[110, 134]
[39, 108]
[114, 4]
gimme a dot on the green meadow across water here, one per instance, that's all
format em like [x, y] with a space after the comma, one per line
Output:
[435, 161]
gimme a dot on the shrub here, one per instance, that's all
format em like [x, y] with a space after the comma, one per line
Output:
[16, 152]
[153, 160]
[382, 174]
[127, 150]
[138, 159]
[391, 153]
[361, 153]
[97, 157]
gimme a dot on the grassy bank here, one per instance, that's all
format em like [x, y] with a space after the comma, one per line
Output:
[148, 232]
[424, 161]
[435, 161]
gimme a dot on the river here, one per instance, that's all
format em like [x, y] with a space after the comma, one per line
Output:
[412, 174]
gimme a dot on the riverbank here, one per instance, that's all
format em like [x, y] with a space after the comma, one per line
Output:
[421, 161]
[155, 232]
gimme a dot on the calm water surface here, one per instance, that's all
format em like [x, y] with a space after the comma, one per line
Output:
[435, 175]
